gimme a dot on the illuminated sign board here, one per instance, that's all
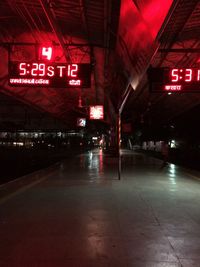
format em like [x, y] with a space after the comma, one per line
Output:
[96, 112]
[174, 79]
[59, 75]
[81, 122]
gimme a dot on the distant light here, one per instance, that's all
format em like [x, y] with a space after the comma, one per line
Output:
[94, 138]
[172, 166]
[81, 122]
[173, 144]
[18, 144]
[96, 112]
[172, 173]
[169, 93]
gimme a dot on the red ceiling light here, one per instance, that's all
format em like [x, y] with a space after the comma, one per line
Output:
[96, 112]
[58, 75]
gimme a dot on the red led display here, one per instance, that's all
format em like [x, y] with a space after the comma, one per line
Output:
[96, 112]
[81, 122]
[52, 75]
[172, 88]
[185, 75]
[42, 69]
[46, 53]
[174, 80]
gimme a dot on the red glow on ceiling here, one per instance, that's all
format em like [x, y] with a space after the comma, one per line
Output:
[145, 19]
[154, 13]
[139, 25]
[132, 27]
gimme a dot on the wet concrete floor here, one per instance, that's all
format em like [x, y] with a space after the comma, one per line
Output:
[78, 214]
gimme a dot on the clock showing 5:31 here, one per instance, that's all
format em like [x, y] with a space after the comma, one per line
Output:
[188, 75]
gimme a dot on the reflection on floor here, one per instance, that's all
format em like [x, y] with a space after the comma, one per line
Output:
[80, 214]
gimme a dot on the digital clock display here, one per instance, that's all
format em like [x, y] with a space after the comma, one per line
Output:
[175, 79]
[185, 75]
[59, 75]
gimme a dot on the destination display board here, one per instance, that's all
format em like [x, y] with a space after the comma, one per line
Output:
[174, 79]
[56, 75]
[32, 65]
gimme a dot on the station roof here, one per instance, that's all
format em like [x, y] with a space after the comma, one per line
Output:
[121, 40]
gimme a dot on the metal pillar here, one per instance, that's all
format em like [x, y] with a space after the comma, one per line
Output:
[126, 95]
[119, 146]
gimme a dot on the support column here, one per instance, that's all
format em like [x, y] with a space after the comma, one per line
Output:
[119, 145]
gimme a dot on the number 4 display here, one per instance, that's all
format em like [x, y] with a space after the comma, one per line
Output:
[46, 53]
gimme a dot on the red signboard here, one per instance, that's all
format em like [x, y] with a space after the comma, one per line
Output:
[45, 68]
[96, 112]
[59, 75]
[174, 79]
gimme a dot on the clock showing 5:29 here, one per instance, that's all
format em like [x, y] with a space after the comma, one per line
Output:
[50, 74]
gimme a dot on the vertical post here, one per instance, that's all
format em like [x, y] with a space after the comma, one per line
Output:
[128, 90]
[119, 146]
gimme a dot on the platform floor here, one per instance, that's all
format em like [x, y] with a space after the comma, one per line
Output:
[78, 214]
